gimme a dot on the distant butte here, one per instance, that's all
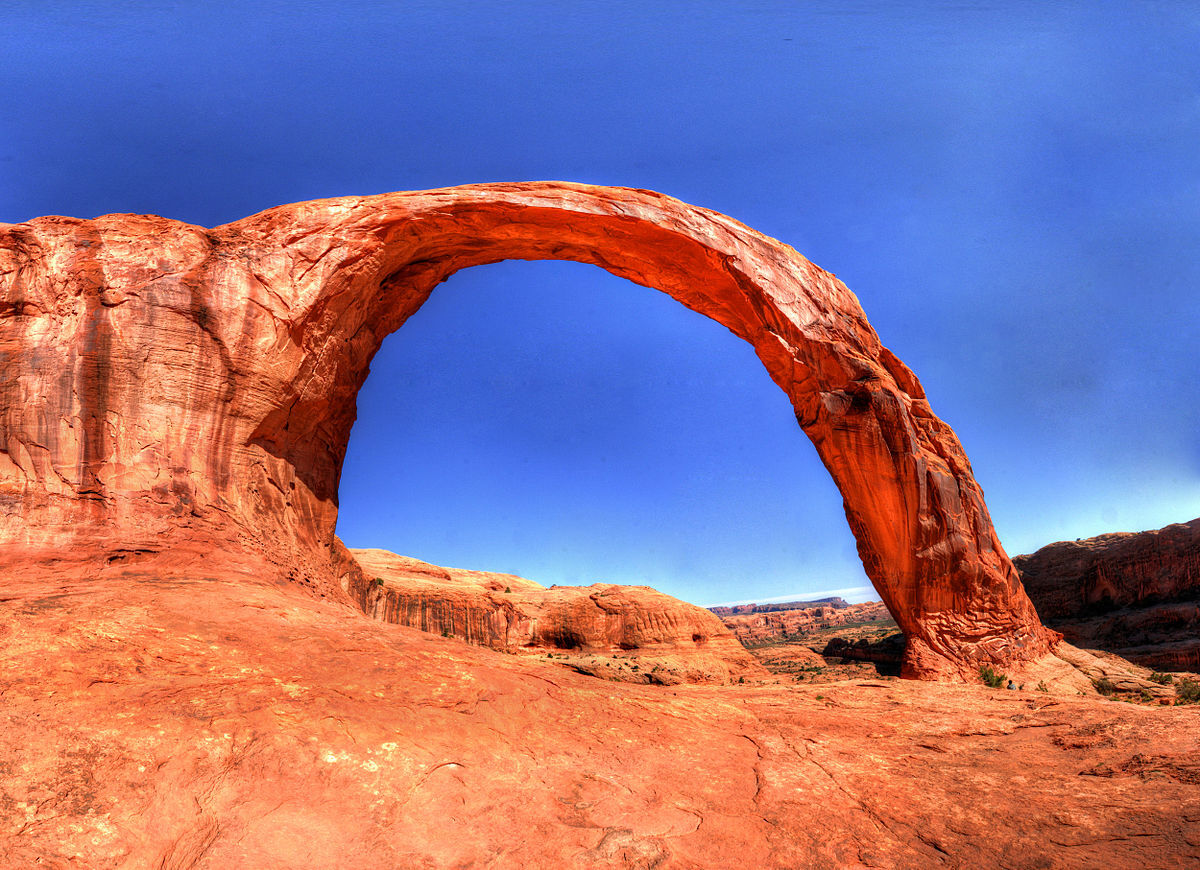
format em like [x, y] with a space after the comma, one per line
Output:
[164, 382]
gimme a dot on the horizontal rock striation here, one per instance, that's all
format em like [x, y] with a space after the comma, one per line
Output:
[1133, 593]
[759, 628]
[159, 379]
[627, 633]
[738, 609]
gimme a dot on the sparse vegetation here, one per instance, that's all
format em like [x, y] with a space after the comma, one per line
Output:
[446, 632]
[1162, 679]
[378, 581]
[508, 590]
[991, 677]
[1187, 691]
[1105, 686]
[1042, 687]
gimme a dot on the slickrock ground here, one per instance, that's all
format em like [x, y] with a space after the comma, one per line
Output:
[629, 633]
[1135, 594]
[759, 628]
[194, 709]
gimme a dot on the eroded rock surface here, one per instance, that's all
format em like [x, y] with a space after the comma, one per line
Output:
[197, 709]
[627, 633]
[1136, 594]
[162, 381]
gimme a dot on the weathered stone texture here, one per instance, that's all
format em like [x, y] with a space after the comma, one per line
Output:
[1133, 593]
[160, 379]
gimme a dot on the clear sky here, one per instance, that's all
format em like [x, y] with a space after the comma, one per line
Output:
[1012, 189]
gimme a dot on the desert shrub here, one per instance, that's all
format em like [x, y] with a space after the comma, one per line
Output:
[1042, 687]
[378, 581]
[1187, 691]
[1162, 679]
[508, 589]
[1105, 686]
[990, 677]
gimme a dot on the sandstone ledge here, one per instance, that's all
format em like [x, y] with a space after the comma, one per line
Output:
[627, 633]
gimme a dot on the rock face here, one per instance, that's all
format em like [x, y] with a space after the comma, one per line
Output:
[195, 709]
[161, 380]
[758, 628]
[626, 633]
[1133, 593]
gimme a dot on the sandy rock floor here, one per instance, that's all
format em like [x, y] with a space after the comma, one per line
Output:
[187, 714]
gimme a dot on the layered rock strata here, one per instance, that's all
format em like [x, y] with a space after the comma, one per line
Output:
[1136, 594]
[759, 628]
[161, 379]
[626, 633]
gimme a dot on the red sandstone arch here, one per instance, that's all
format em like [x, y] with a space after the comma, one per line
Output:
[282, 312]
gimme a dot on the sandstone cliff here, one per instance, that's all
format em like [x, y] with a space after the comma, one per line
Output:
[627, 633]
[1133, 593]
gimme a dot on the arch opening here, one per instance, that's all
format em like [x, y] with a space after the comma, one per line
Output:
[549, 420]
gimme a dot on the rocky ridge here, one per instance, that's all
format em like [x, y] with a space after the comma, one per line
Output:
[626, 633]
[1136, 594]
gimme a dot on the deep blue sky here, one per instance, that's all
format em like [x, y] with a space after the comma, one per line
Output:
[1012, 190]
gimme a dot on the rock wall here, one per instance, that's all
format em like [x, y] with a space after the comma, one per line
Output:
[160, 379]
[1133, 593]
[627, 633]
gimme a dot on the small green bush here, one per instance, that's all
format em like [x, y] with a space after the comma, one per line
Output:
[1187, 691]
[1162, 679]
[378, 581]
[991, 678]
[508, 589]
[1042, 687]
[1105, 686]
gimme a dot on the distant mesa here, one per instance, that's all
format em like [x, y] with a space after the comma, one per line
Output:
[732, 609]
[168, 384]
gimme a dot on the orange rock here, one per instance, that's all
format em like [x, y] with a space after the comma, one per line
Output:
[1133, 593]
[627, 633]
[163, 381]
[194, 708]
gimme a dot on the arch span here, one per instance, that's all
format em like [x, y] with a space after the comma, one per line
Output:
[286, 308]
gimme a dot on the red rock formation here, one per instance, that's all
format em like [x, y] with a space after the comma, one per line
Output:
[1133, 593]
[758, 628]
[164, 380]
[627, 633]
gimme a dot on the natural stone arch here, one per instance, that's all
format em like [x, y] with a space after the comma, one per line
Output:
[286, 309]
